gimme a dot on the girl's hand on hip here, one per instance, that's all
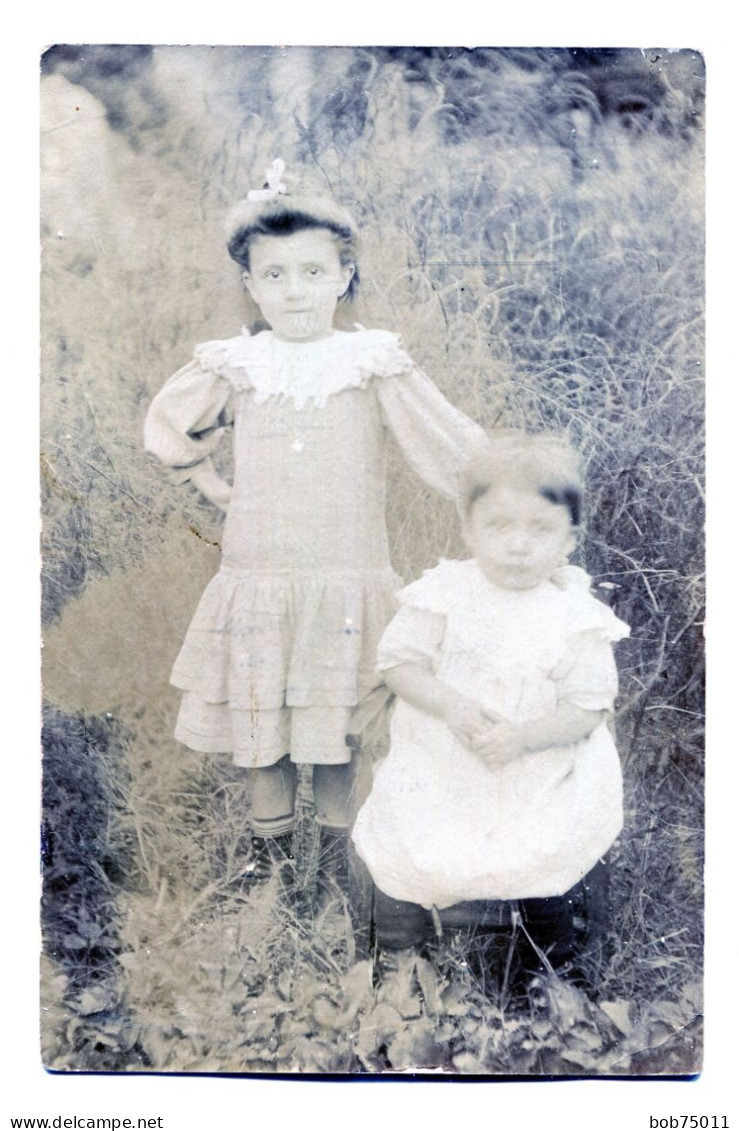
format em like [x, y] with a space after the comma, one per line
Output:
[216, 490]
[220, 495]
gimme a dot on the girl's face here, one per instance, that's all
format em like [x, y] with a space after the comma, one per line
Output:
[296, 281]
[518, 537]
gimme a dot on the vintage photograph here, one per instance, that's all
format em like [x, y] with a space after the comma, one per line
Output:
[372, 462]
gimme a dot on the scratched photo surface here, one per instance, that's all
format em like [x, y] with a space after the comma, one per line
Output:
[532, 225]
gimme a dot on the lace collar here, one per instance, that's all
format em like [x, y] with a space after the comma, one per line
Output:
[306, 372]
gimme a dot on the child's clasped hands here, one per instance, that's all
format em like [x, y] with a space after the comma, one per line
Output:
[494, 739]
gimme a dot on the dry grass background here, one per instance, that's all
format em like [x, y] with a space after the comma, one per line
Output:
[541, 254]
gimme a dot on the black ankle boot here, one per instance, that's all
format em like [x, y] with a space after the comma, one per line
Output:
[270, 855]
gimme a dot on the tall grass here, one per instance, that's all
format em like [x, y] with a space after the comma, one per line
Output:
[544, 279]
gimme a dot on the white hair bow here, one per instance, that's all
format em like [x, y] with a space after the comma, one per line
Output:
[273, 177]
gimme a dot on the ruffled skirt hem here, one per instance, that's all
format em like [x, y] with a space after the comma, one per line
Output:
[299, 638]
[313, 736]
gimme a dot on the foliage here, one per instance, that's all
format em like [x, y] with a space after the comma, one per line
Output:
[85, 851]
[540, 250]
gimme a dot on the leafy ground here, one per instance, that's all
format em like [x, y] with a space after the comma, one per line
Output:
[534, 230]
[192, 973]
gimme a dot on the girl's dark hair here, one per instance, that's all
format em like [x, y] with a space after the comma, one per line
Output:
[283, 216]
[541, 461]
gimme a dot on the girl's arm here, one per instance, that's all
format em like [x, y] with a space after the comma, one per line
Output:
[436, 439]
[418, 685]
[495, 740]
[185, 424]
[503, 741]
[208, 482]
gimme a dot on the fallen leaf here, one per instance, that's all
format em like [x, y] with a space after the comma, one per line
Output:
[567, 1004]
[583, 1059]
[415, 1047]
[619, 1012]
[584, 1037]
[326, 1014]
[467, 1063]
[376, 1028]
[95, 1000]
[454, 1000]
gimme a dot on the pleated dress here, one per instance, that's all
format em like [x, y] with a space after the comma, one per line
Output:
[282, 647]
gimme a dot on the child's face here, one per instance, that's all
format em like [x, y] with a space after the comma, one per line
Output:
[296, 281]
[518, 537]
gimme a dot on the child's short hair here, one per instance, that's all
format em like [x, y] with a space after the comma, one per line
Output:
[539, 460]
[285, 214]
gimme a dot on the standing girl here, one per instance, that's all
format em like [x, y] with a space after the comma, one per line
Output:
[282, 648]
[503, 782]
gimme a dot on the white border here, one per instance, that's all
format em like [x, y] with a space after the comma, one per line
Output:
[203, 1102]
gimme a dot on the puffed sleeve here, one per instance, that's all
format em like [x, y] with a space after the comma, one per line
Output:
[416, 632]
[413, 636]
[187, 418]
[588, 677]
[436, 439]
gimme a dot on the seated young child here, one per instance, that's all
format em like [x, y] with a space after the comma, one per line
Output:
[503, 781]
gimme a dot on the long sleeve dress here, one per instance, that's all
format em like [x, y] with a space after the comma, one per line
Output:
[439, 826]
[294, 616]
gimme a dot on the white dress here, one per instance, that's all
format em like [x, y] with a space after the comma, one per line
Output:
[439, 827]
[292, 620]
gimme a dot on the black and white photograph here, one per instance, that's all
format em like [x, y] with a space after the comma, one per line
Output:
[372, 395]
